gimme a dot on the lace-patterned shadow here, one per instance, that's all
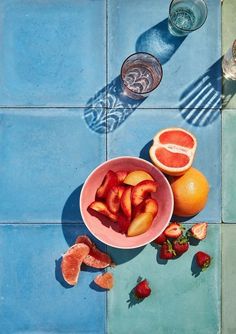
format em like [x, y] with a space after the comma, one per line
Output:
[200, 102]
[229, 90]
[110, 98]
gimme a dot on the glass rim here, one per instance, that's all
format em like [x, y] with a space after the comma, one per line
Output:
[139, 53]
[189, 30]
[234, 50]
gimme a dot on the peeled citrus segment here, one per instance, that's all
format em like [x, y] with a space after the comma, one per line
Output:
[95, 258]
[173, 150]
[105, 281]
[71, 262]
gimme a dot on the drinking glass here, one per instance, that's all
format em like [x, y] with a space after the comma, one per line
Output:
[141, 73]
[229, 63]
[186, 16]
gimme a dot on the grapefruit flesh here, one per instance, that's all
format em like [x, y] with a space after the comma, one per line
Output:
[105, 280]
[71, 262]
[173, 150]
[95, 258]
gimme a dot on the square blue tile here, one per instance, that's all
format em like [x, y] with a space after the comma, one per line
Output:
[132, 134]
[191, 65]
[33, 296]
[181, 300]
[46, 156]
[52, 52]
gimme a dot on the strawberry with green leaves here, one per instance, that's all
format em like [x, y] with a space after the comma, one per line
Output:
[203, 260]
[174, 230]
[167, 252]
[198, 231]
[161, 239]
[142, 289]
[181, 245]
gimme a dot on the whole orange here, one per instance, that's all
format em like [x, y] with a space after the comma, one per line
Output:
[190, 192]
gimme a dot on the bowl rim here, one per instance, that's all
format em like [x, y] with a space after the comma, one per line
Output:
[131, 158]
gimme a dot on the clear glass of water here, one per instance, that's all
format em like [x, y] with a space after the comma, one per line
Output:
[186, 16]
[141, 73]
[229, 63]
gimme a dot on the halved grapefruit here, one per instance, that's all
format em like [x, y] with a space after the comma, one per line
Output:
[71, 262]
[173, 150]
[105, 280]
[95, 258]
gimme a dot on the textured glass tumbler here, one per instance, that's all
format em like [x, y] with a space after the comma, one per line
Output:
[186, 16]
[229, 63]
[141, 73]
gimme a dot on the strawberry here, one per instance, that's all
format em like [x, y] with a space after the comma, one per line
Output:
[167, 252]
[142, 289]
[174, 230]
[203, 260]
[181, 245]
[199, 231]
[161, 239]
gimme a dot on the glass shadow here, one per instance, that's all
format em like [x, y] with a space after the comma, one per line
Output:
[159, 42]
[200, 102]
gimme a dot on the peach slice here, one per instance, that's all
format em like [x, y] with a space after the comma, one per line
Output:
[123, 222]
[137, 176]
[151, 206]
[148, 205]
[110, 180]
[113, 199]
[140, 224]
[142, 190]
[100, 207]
[121, 175]
[121, 190]
[125, 202]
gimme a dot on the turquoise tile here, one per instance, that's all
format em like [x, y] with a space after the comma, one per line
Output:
[228, 36]
[191, 65]
[180, 302]
[46, 156]
[228, 163]
[228, 278]
[47, 52]
[132, 135]
[33, 296]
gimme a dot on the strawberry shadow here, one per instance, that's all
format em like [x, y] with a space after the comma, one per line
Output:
[158, 259]
[133, 300]
[196, 270]
[58, 274]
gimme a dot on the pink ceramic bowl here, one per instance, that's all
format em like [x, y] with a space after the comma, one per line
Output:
[108, 233]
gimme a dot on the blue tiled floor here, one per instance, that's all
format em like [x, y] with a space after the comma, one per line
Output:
[46, 156]
[62, 113]
[133, 136]
[33, 296]
[47, 52]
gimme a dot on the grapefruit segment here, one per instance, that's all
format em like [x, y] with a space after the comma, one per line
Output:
[71, 262]
[95, 258]
[105, 280]
[173, 150]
